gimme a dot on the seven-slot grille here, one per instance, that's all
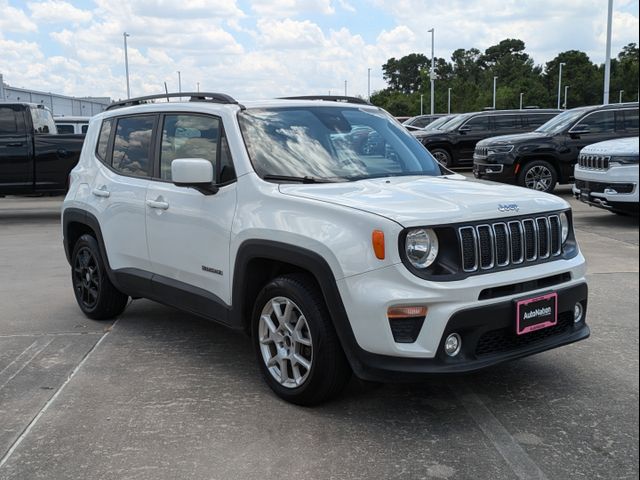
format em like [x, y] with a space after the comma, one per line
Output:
[594, 162]
[523, 241]
[482, 151]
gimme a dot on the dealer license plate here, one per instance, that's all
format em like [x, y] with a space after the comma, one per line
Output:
[536, 313]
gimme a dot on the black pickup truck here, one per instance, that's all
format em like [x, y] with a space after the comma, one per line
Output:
[33, 157]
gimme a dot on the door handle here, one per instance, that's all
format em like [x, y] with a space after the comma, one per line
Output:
[101, 192]
[14, 144]
[158, 204]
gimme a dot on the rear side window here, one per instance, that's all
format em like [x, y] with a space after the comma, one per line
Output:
[132, 145]
[84, 128]
[188, 136]
[8, 121]
[630, 119]
[506, 122]
[66, 128]
[42, 121]
[103, 139]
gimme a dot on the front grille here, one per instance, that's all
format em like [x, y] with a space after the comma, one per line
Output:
[505, 339]
[482, 151]
[594, 162]
[600, 187]
[525, 241]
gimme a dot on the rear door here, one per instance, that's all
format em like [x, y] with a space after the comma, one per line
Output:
[16, 162]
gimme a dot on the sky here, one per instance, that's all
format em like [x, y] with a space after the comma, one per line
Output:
[267, 48]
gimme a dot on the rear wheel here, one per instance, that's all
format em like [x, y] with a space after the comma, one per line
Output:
[298, 350]
[97, 297]
[442, 156]
[538, 175]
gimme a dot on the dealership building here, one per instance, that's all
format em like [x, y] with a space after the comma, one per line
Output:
[58, 104]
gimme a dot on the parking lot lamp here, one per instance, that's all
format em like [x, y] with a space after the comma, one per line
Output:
[126, 63]
[449, 100]
[562, 64]
[607, 62]
[368, 84]
[495, 82]
[179, 82]
[566, 89]
[421, 104]
[432, 73]
[521, 97]
[620, 96]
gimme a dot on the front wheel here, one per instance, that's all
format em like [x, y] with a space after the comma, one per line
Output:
[538, 175]
[442, 156]
[298, 350]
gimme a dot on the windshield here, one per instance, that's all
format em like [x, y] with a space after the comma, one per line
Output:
[331, 144]
[438, 123]
[561, 122]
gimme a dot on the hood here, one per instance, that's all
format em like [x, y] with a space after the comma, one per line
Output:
[618, 147]
[514, 139]
[419, 200]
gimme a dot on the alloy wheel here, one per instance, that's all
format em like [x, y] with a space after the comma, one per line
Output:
[86, 277]
[285, 342]
[538, 178]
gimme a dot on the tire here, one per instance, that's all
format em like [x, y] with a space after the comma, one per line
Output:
[96, 296]
[298, 351]
[538, 175]
[442, 156]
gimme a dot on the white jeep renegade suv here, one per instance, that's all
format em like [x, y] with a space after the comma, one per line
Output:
[325, 231]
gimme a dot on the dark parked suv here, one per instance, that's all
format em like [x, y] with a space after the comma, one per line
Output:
[454, 143]
[541, 159]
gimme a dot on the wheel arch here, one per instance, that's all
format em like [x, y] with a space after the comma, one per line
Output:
[259, 261]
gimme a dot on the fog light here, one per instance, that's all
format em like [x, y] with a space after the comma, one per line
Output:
[610, 191]
[578, 312]
[453, 344]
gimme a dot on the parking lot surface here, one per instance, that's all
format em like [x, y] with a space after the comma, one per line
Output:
[160, 394]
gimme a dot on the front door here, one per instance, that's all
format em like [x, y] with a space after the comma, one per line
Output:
[189, 232]
[16, 163]
[474, 130]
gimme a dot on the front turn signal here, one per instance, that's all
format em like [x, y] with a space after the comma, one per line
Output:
[406, 312]
[377, 240]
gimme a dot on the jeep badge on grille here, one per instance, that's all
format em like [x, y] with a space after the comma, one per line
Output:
[508, 207]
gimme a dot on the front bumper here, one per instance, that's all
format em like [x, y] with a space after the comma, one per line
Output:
[488, 338]
[613, 189]
[491, 168]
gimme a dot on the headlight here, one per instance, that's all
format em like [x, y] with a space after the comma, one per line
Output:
[627, 160]
[564, 223]
[499, 149]
[421, 247]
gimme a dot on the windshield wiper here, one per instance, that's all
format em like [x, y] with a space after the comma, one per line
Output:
[305, 179]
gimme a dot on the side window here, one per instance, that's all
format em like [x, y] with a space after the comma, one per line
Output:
[132, 146]
[84, 128]
[103, 139]
[506, 122]
[422, 122]
[533, 121]
[8, 121]
[42, 121]
[477, 124]
[630, 119]
[227, 171]
[64, 128]
[188, 136]
[599, 122]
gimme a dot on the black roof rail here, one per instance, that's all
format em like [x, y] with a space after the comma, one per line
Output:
[329, 98]
[193, 97]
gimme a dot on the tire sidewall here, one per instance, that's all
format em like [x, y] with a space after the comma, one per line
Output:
[317, 327]
[449, 162]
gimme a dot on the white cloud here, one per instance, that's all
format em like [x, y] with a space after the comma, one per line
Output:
[291, 8]
[14, 19]
[57, 11]
[289, 34]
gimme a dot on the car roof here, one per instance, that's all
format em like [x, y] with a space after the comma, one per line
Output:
[70, 118]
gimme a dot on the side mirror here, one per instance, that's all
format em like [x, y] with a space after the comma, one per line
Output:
[580, 130]
[193, 172]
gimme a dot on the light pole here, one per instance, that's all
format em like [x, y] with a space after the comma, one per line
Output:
[421, 104]
[607, 62]
[345, 88]
[368, 84]
[432, 70]
[566, 89]
[495, 82]
[198, 86]
[620, 96]
[521, 97]
[449, 101]
[179, 82]
[562, 64]
[126, 63]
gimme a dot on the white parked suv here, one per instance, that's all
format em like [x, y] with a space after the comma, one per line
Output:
[607, 175]
[323, 229]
